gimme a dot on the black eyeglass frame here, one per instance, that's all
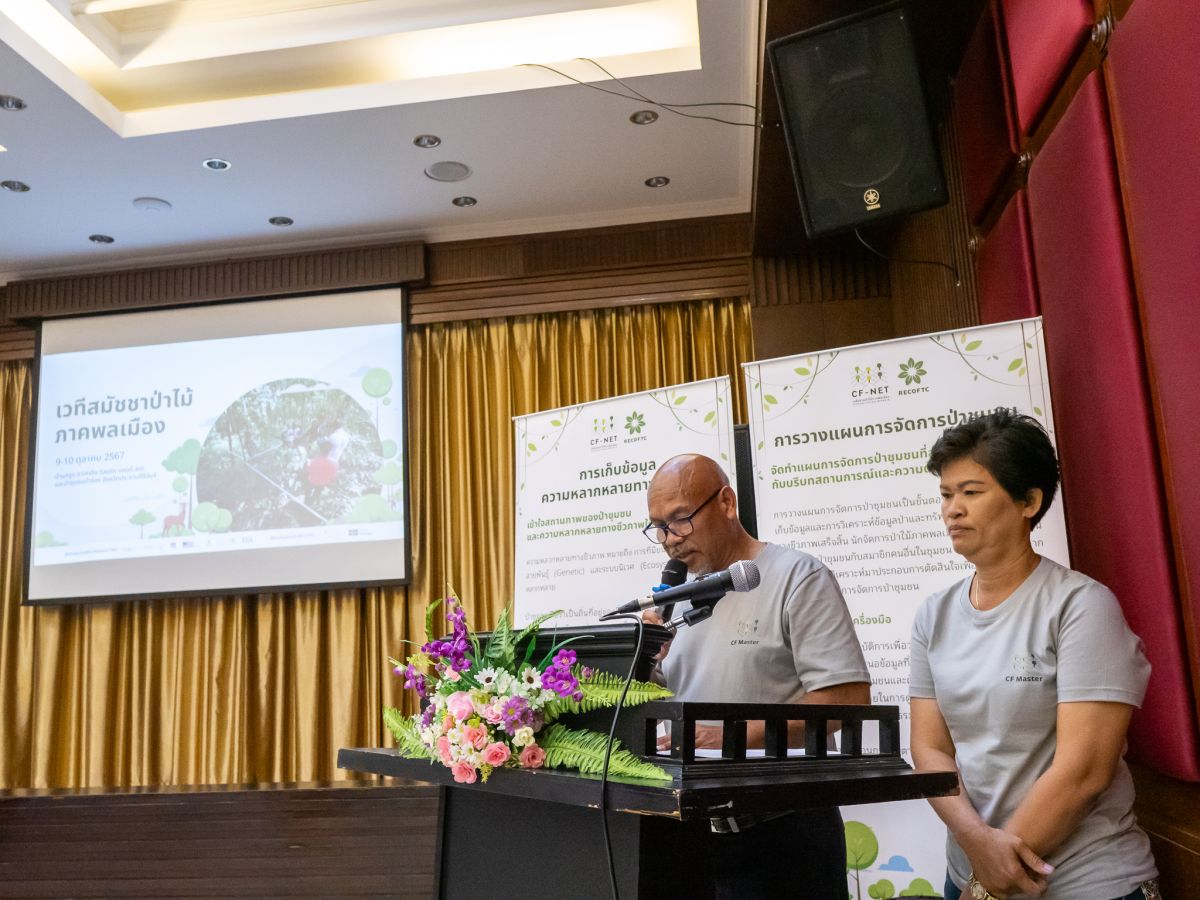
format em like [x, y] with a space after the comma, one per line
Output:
[667, 526]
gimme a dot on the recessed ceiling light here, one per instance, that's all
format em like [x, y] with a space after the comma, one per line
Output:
[151, 204]
[658, 181]
[281, 221]
[3, 149]
[17, 187]
[217, 165]
[448, 171]
[100, 238]
[426, 141]
[9, 102]
[464, 201]
[644, 117]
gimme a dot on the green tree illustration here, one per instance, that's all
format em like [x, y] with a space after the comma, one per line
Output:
[881, 890]
[47, 539]
[183, 460]
[371, 508]
[919, 887]
[376, 384]
[207, 516]
[862, 848]
[389, 475]
[141, 519]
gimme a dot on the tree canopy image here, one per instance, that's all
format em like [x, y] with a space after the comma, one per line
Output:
[291, 453]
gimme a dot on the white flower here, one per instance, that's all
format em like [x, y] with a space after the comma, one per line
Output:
[523, 737]
[530, 683]
[487, 679]
[504, 683]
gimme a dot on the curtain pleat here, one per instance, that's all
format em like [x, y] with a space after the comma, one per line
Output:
[266, 688]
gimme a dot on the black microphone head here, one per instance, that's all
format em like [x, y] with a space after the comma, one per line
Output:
[744, 575]
[674, 573]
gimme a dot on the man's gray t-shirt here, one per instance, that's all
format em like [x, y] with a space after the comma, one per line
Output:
[790, 635]
[998, 677]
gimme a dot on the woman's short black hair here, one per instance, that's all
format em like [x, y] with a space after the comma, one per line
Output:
[1014, 448]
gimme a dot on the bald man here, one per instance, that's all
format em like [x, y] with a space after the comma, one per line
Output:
[790, 640]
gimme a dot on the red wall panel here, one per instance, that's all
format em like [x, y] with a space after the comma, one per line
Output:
[1111, 482]
[982, 115]
[1004, 267]
[1154, 81]
[1043, 37]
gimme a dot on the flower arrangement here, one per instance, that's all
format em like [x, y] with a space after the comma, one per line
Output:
[491, 706]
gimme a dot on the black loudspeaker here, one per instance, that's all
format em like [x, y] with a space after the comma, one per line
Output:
[855, 121]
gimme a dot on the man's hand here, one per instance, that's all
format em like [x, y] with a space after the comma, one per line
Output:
[652, 616]
[708, 737]
[1003, 863]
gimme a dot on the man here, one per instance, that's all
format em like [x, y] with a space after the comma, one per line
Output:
[790, 640]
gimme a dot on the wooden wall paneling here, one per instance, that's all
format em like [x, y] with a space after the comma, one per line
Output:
[1166, 810]
[925, 296]
[265, 840]
[16, 342]
[832, 297]
[587, 290]
[270, 276]
[588, 250]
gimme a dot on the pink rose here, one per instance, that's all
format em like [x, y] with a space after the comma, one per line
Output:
[491, 713]
[460, 705]
[532, 757]
[496, 754]
[443, 748]
[476, 736]
[464, 772]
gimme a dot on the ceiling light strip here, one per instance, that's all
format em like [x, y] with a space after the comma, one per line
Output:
[100, 7]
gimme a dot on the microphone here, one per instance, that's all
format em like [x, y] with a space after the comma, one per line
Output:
[708, 589]
[674, 573]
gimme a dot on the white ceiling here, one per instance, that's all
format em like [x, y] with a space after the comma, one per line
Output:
[553, 156]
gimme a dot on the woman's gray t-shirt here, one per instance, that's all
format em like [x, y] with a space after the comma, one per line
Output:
[998, 677]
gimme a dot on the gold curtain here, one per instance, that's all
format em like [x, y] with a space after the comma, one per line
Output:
[265, 688]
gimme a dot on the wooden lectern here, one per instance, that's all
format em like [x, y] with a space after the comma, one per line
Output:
[539, 834]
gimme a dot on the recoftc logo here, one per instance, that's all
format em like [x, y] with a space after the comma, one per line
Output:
[871, 198]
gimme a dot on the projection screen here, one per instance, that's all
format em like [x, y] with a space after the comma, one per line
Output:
[220, 449]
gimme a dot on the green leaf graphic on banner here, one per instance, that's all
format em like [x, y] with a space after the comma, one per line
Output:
[800, 370]
[974, 345]
[1037, 411]
[710, 415]
[760, 445]
[679, 400]
[1015, 364]
[555, 423]
[862, 847]
[1029, 345]
[533, 448]
[769, 399]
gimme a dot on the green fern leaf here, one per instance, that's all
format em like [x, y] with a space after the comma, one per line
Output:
[585, 750]
[429, 611]
[602, 690]
[500, 645]
[535, 625]
[404, 730]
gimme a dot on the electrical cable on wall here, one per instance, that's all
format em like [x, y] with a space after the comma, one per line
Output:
[638, 96]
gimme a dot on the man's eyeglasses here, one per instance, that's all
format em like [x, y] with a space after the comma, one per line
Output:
[680, 527]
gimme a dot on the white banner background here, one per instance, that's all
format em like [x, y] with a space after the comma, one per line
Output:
[841, 440]
[582, 473]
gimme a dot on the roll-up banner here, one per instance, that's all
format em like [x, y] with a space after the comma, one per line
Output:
[841, 439]
[582, 475]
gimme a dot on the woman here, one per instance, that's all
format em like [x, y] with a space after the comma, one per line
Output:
[1024, 677]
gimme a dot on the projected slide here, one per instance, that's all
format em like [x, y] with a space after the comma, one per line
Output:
[229, 448]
